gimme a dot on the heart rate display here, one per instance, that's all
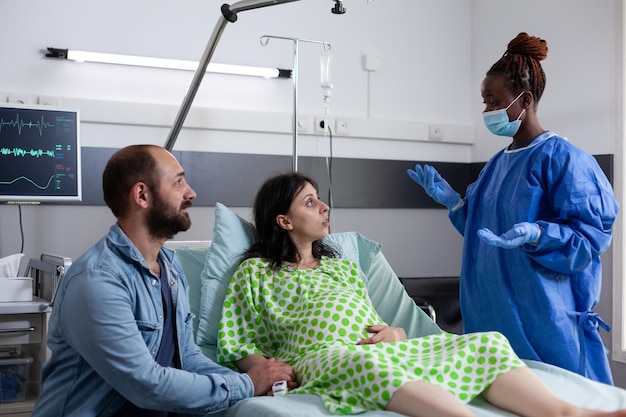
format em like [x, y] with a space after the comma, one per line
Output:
[39, 154]
[23, 152]
[19, 124]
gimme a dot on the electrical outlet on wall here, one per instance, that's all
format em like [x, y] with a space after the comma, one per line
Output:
[435, 133]
[303, 123]
[48, 101]
[342, 126]
[321, 124]
[20, 99]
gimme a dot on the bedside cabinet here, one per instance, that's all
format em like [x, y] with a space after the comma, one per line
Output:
[23, 327]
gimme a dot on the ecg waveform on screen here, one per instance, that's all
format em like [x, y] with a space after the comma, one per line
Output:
[36, 153]
[20, 124]
[41, 187]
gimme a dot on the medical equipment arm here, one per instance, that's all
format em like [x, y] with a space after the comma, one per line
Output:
[518, 235]
[435, 186]
[229, 14]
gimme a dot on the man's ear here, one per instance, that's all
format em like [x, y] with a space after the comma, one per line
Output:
[140, 194]
[284, 222]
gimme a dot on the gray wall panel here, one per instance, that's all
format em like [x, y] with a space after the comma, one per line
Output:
[233, 179]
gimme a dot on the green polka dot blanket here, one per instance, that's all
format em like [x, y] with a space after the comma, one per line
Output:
[313, 318]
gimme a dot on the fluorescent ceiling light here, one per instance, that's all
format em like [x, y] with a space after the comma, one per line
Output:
[143, 61]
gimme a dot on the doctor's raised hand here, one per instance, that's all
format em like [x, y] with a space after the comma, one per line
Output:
[435, 186]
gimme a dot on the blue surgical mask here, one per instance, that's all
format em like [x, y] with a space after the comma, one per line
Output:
[497, 121]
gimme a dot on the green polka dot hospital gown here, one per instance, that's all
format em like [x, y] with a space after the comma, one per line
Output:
[313, 319]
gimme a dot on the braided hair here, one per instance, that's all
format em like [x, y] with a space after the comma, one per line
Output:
[520, 65]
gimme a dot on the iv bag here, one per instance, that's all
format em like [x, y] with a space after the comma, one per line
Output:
[325, 62]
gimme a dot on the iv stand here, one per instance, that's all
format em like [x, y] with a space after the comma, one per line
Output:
[229, 14]
[294, 75]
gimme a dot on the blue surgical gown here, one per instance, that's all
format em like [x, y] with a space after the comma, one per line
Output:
[541, 296]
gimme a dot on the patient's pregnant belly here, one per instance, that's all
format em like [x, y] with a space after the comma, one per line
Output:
[323, 311]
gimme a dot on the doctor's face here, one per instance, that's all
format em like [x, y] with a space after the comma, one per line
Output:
[497, 95]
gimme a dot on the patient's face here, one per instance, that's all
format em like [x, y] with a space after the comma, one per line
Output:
[308, 216]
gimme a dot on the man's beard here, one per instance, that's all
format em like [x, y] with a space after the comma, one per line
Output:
[164, 221]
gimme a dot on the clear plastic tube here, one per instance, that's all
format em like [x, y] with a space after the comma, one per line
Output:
[325, 79]
[325, 64]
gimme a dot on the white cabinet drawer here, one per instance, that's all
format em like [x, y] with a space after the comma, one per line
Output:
[18, 329]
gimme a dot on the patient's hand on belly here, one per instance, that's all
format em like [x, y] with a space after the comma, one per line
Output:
[383, 334]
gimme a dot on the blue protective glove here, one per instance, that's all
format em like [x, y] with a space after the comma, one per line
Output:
[435, 186]
[518, 235]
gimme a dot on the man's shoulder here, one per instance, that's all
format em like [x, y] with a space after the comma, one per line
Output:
[103, 255]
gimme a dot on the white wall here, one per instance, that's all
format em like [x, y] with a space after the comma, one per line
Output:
[433, 57]
[423, 78]
[582, 95]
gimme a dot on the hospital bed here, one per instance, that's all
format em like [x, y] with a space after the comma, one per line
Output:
[209, 266]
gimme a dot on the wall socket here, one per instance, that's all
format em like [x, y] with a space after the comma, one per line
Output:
[21, 99]
[321, 124]
[31, 99]
[342, 126]
[303, 123]
[48, 101]
[435, 133]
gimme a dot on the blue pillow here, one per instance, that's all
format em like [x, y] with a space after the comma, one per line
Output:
[357, 248]
[192, 260]
[232, 236]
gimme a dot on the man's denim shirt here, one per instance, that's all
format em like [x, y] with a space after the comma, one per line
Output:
[104, 333]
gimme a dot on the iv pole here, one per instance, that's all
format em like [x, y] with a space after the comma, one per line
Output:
[294, 75]
[229, 14]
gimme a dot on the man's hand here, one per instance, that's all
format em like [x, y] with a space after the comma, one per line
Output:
[265, 373]
[383, 334]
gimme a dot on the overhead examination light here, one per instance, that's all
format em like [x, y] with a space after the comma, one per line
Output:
[177, 64]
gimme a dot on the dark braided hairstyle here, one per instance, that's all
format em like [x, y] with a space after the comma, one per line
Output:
[520, 65]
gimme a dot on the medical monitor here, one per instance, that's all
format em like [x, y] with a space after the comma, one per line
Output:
[39, 154]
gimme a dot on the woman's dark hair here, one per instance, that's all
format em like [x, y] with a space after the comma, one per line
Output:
[273, 242]
[520, 65]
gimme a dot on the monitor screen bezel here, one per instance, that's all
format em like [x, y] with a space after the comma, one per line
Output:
[36, 199]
